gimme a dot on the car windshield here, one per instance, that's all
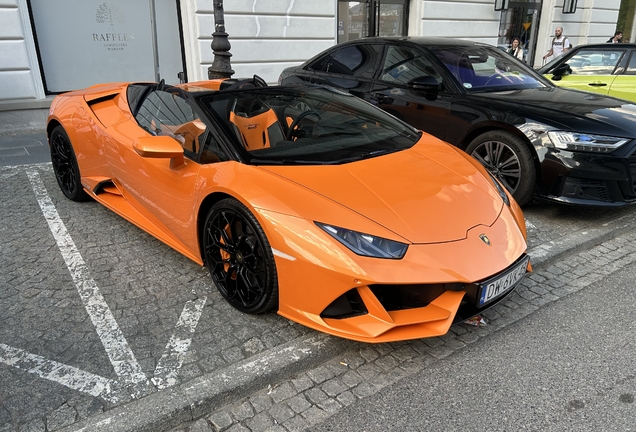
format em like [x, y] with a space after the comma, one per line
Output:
[594, 61]
[306, 125]
[481, 68]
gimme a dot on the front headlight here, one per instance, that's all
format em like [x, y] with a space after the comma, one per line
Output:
[365, 244]
[500, 189]
[585, 142]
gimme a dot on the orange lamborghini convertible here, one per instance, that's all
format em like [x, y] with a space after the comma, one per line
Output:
[300, 199]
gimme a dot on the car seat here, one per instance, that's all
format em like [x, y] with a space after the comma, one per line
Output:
[255, 123]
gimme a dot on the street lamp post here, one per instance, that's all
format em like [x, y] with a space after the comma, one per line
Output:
[221, 67]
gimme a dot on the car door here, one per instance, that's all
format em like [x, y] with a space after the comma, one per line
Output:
[592, 70]
[624, 85]
[430, 112]
[159, 188]
[350, 68]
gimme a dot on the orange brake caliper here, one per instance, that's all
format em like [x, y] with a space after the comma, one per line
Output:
[225, 256]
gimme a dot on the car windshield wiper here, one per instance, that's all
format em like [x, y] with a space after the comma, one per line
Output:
[367, 155]
[258, 161]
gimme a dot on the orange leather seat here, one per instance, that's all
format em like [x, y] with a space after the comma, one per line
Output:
[257, 130]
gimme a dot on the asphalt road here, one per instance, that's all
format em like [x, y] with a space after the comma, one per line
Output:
[568, 366]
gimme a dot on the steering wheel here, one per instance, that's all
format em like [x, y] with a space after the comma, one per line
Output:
[302, 115]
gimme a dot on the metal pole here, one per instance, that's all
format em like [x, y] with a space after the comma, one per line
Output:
[155, 45]
[221, 67]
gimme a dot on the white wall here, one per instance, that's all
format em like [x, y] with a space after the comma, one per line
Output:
[19, 70]
[593, 22]
[266, 35]
[475, 20]
[269, 35]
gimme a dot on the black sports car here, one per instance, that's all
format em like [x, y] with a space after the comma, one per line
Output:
[538, 139]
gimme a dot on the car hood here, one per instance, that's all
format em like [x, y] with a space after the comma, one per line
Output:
[430, 193]
[566, 109]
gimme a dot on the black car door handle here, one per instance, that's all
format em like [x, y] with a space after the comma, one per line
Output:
[597, 84]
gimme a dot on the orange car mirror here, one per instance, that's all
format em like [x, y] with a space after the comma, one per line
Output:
[158, 147]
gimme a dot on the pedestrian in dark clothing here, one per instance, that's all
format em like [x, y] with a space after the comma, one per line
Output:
[617, 38]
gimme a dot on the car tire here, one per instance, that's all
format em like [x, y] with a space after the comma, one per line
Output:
[65, 166]
[239, 258]
[509, 159]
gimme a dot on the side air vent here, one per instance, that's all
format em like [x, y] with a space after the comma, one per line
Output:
[95, 101]
[107, 187]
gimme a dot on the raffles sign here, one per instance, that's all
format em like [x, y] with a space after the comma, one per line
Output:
[112, 15]
[104, 42]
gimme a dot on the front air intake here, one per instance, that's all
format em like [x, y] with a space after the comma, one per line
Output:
[348, 305]
[398, 297]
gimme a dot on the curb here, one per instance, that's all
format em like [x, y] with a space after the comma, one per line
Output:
[545, 254]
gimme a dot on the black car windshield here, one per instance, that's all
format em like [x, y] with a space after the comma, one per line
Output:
[306, 125]
[481, 68]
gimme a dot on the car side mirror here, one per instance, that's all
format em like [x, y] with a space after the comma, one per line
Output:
[160, 147]
[559, 71]
[425, 84]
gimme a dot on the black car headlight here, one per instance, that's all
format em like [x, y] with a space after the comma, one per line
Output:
[585, 142]
[365, 244]
[500, 189]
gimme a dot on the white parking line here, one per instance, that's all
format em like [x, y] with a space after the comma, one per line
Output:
[121, 357]
[170, 362]
[69, 376]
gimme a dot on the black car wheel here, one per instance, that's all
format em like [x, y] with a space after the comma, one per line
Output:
[507, 158]
[65, 165]
[240, 258]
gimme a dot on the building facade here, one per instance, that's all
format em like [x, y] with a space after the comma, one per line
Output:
[48, 47]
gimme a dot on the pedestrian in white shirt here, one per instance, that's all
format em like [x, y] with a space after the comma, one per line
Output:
[560, 44]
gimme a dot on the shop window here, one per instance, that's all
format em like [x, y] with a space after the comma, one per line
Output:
[359, 19]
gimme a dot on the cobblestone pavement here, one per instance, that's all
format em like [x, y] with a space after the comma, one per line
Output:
[24, 148]
[44, 325]
[100, 323]
[309, 398]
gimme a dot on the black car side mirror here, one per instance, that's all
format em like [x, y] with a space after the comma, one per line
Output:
[425, 84]
[559, 71]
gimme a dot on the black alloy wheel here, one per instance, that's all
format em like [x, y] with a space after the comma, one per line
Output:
[240, 258]
[508, 158]
[65, 166]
